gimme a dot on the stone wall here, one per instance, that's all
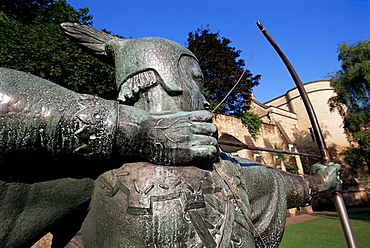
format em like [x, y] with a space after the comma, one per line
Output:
[44, 242]
[319, 93]
[232, 125]
[270, 136]
[355, 192]
[286, 126]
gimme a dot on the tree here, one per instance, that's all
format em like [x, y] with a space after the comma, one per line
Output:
[352, 87]
[222, 69]
[32, 41]
[50, 11]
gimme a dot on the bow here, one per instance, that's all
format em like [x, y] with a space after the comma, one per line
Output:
[338, 199]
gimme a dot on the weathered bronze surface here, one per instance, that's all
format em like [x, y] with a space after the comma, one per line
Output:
[152, 171]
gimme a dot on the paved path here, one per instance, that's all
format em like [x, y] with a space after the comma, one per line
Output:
[318, 214]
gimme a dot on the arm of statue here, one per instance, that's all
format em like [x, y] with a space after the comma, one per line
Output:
[272, 191]
[296, 190]
[305, 189]
[42, 120]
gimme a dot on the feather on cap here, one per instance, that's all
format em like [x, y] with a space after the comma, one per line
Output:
[132, 56]
[90, 39]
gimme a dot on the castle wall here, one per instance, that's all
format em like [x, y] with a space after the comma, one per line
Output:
[319, 93]
[289, 112]
[270, 137]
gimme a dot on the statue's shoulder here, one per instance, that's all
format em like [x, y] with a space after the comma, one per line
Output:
[7, 72]
[17, 78]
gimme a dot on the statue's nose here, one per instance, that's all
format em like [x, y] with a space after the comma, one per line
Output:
[206, 104]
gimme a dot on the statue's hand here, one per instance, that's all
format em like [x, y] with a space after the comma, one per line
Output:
[327, 177]
[167, 138]
[180, 138]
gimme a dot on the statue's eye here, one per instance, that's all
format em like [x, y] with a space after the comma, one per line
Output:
[198, 77]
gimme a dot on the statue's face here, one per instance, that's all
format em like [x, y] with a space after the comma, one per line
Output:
[191, 77]
[156, 99]
[178, 72]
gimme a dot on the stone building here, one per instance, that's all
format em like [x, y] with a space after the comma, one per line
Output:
[286, 126]
[319, 93]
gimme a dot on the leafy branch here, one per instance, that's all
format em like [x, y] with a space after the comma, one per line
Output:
[252, 121]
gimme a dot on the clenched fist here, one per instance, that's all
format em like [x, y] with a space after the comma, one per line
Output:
[327, 177]
[169, 138]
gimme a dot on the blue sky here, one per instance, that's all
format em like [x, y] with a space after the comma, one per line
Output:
[308, 31]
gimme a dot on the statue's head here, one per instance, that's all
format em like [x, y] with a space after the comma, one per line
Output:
[152, 73]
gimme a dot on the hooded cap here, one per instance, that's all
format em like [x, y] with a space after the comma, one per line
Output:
[132, 56]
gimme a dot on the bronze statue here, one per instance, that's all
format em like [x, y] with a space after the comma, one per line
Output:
[174, 189]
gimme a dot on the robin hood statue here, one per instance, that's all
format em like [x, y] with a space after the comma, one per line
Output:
[142, 171]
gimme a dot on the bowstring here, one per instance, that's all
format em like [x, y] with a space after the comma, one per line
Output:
[244, 71]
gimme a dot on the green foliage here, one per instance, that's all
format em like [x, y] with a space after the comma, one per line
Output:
[281, 155]
[291, 166]
[32, 41]
[252, 121]
[289, 162]
[363, 139]
[222, 69]
[49, 11]
[352, 87]
[359, 159]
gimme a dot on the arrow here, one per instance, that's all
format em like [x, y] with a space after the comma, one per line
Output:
[229, 143]
[338, 199]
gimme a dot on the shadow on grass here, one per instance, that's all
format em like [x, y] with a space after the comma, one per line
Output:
[364, 216]
[327, 232]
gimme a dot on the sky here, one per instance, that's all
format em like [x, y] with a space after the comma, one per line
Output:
[307, 31]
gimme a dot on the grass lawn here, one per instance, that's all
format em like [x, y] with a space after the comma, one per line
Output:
[327, 232]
